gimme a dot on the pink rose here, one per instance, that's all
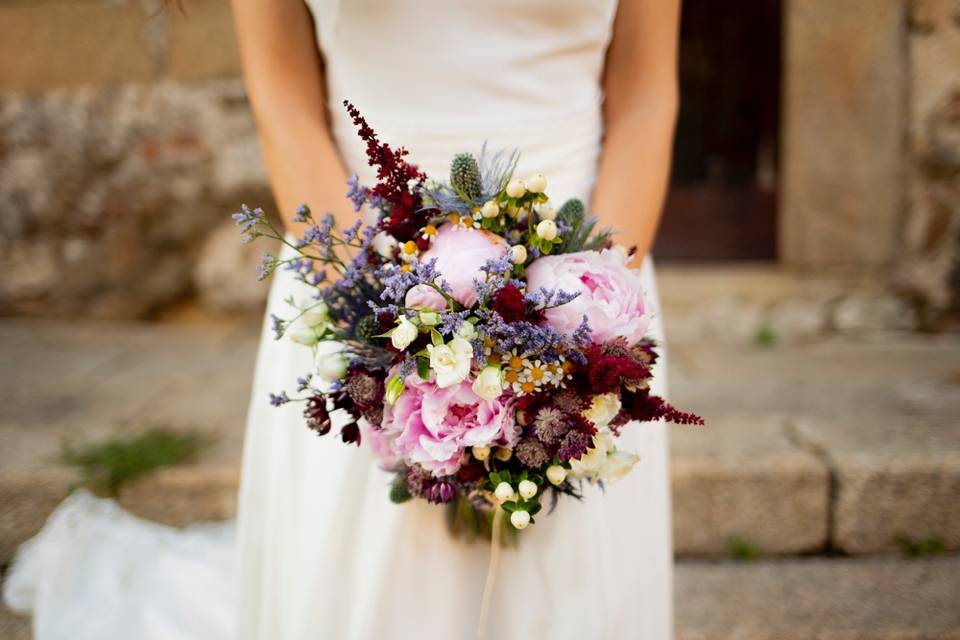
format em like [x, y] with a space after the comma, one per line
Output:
[433, 426]
[460, 253]
[610, 294]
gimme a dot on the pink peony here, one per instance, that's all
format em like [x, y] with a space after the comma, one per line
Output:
[460, 253]
[433, 426]
[610, 293]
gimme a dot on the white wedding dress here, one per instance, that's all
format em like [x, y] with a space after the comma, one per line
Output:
[320, 551]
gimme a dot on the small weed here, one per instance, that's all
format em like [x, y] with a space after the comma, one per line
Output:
[742, 549]
[109, 464]
[921, 547]
[765, 336]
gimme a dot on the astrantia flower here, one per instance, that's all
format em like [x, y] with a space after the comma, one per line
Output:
[611, 296]
[531, 453]
[574, 445]
[551, 425]
[364, 388]
[318, 418]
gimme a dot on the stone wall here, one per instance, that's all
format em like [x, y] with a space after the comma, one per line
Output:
[928, 268]
[125, 141]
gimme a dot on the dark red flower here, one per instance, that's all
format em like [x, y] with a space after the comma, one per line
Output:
[609, 366]
[318, 418]
[574, 445]
[645, 407]
[351, 433]
[509, 303]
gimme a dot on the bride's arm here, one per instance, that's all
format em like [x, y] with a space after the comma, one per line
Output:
[640, 107]
[284, 78]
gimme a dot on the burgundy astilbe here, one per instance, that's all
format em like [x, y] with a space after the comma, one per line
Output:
[609, 366]
[645, 407]
[394, 176]
[510, 303]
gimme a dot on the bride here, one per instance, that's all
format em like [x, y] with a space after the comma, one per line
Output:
[586, 89]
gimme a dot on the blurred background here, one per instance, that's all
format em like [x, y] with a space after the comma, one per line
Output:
[808, 269]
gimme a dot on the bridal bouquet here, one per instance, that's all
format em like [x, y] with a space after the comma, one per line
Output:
[487, 346]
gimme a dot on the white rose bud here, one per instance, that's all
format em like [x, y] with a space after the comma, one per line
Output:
[481, 453]
[502, 454]
[537, 183]
[520, 519]
[527, 489]
[547, 229]
[490, 209]
[451, 362]
[489, 383]
[516, 188]
[546, 212]
[316, 315]
[556, 474]
[603, 409]
[467, 331]
[302, 334]
[504, 492]
[403, 334]
[518, 254]
[429, 318]
[329, 360]
[384, 244]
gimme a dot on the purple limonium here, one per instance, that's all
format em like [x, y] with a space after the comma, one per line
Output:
[277, 325]
[357, 193]
[302, 214]
[247, 219]
[278, 399]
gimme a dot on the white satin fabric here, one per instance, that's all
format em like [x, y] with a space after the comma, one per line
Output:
[321, 552]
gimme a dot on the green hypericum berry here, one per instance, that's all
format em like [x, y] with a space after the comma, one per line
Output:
[572, 212]
[398, 491]
[367, 327]
[465, 176]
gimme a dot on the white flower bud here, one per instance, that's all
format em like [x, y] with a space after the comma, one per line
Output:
[384, 244]
[395, 386]
[527, 489]
[467, 331]
[490, 209]
[603, 409]
[481, 453]
[316, 315]
[546, 212]
[516, 188]
[502, 454]
[403, 334]
[547, 229]
[302, 334]
[520, 519]
[329, 360]
[518, 254]
[504, 492]
[556, 474]
[488, 383]
[429, 318]
[537, 183]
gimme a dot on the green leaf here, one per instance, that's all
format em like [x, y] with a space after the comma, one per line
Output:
[535, 509]
[495, 479]
[423, 368]
[436, 338]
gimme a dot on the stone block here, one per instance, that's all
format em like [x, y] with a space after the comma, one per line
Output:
[179, 496]
[843, 133]
[202, 44]
[26, 501]
[741, 477]
[54, 45]
[225, 274]
[883, 599]
[895, 476]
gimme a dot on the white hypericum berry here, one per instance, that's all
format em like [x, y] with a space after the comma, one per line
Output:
[490, 209]
[547, 229]
[556, 474]
[537, 183]
[504, 492]
[502, 454]
[527, 489]
[518, 254]
[520, 519]
[546, 212]
[481, 453]
[516, 188]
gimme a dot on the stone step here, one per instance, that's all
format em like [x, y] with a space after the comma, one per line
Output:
[793, 599]
[832, 445]
[826, 599]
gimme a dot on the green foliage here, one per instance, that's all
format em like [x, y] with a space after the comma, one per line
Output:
[740, 548]
[367, 329]
[921, 547]
[465, 177]
[765, 336]
[107, 465]
[398, 490]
